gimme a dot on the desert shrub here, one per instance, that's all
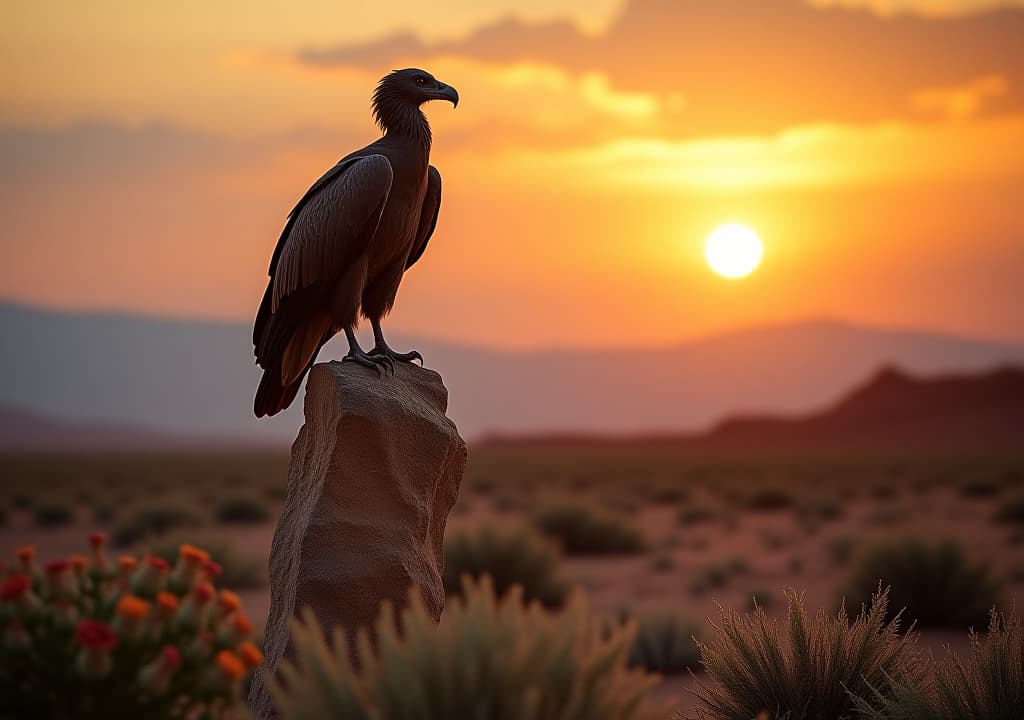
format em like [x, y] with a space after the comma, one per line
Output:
[888, 516]
[1011, 511]
[817, 509]
[104, 513]
[482, 484]
[664, 644]
[491, 659]
[773, 539]
[663, 562]
[150, 521]
[695, 514]
[583, 531]
[668, 494]
[760, 598]
[980, 487]
[884, 491]
[236, 570]
[242, 509]
[52, 514]
[840, 549]
[768, 498]
[22, 500]
[510, 557]
[934, 580]
[737, 565]
[988, 685]
[816, 670]
[709, 577]
[275, 491]
[86, 637]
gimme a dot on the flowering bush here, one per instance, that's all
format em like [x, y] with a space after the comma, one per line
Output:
[131, 638]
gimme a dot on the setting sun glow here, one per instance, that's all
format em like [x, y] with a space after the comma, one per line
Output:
[733, 251]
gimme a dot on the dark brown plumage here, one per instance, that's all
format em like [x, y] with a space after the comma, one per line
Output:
[347, 243]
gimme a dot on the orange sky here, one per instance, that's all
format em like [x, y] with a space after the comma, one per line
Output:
[148, 157]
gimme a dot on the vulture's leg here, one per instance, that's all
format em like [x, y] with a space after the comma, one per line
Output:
[373, 359]
[381, 347]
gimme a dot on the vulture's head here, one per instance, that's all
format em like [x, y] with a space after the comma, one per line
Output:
[402, 90]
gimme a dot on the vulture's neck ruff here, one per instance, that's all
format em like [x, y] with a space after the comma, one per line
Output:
[397, 115]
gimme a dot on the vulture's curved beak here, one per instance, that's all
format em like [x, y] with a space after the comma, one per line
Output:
[447, 92]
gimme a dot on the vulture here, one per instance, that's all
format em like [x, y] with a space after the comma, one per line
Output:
[348, 242]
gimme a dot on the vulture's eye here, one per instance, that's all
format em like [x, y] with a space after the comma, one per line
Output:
[421, 80]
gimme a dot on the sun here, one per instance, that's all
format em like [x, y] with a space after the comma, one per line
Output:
[733, 250]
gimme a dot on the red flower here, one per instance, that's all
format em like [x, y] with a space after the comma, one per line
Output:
[157, 563]
[95, 635]
[170, 656]
[203, 593]
[97, 539]
[14, 586]
[56, 567]
[213, 569]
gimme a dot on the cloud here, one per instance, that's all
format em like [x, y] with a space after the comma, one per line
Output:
[962, 101]
[934, 8]
[743, 65]
[812, 156]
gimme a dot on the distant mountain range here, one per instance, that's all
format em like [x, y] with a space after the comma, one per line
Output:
[193, 380]
[27, 431]
[892, 411]
[895, 410]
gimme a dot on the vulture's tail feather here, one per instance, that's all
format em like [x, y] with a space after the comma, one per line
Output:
[271, 396]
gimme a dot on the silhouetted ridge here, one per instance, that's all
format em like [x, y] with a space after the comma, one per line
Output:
[896, 409]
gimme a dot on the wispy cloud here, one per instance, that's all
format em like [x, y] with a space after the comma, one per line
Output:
[960, 102]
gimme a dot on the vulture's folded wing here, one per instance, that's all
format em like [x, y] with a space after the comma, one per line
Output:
[331, 226]
[428, 216]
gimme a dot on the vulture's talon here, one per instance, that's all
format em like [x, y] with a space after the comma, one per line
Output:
[397, 356]
[371, 360]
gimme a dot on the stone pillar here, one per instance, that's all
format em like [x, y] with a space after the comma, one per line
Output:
[374, 473]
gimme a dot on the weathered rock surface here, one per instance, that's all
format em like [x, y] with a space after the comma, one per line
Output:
[374, 473]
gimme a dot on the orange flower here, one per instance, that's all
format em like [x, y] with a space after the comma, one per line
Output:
[229, 602]
[241, 623]
[132, 607]
[230, 665]
[167, 601]
[193, 554]
[127, 562]
[25, 554]
[250, 654]
[79, 563]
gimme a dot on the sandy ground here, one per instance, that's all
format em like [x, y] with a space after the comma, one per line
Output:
[776, 552]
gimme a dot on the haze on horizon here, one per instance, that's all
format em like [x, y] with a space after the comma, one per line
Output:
[148, 157]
